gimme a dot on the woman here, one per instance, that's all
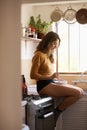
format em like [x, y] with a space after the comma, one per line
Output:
[42, 71]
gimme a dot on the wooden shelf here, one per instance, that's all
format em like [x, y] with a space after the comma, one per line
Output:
[36, 40]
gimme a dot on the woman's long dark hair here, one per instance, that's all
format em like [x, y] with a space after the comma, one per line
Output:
[44, 43]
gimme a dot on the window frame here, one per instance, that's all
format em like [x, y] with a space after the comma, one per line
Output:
[56, 29]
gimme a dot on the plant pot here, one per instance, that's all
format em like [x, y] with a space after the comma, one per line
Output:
[40, 35]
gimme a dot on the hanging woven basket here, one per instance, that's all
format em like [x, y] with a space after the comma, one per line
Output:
[56, 15]
[81, 16]
[69, 15]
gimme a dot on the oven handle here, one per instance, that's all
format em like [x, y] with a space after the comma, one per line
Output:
[46, 115]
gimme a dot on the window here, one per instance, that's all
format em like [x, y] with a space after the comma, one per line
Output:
[72, 53]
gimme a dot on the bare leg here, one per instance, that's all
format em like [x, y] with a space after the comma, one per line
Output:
[71, 93]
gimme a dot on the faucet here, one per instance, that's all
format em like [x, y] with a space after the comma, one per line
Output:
[82, 75]
[81, 78]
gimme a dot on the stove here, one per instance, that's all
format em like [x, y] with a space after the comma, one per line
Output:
[40, 115]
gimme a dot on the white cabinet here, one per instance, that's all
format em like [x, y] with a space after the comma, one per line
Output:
[75, 117]
[28, 47]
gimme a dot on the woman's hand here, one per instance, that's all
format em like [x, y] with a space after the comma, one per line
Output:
[55, 75]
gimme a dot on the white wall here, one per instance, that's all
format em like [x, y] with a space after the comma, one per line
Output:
[51, 1]
[10, 85]
[45, 9]
[26, 12]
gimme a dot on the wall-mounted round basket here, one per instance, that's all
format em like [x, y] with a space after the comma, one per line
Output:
[69, 15]
[81, 16]
[56, 15]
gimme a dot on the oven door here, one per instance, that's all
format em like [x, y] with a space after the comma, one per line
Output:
[45, 121]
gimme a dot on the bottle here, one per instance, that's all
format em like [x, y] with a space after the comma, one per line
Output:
[30, 34]
[24, 88]
[26, 32]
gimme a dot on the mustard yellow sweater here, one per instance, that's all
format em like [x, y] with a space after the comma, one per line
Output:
[41, 65]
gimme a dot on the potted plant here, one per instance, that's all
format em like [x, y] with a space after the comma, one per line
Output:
[41, 27]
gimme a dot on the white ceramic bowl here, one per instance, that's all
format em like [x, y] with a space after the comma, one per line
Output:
[60, 81]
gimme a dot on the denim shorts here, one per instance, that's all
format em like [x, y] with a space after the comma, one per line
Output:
[42, 83]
